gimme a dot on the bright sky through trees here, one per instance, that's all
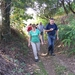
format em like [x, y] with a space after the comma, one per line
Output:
[32, 12]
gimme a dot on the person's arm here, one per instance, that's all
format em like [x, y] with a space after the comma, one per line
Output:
[40, 36]
[57, 35]
[49, 30]
[41, 39]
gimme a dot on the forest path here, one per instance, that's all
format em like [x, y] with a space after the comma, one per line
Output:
[60, 64]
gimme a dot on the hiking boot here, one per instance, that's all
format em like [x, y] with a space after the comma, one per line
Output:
[36, 60]
[52, 54]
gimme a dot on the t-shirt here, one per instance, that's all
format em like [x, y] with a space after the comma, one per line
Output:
[49, 26]
[40, 27]
[29, 28]
[34, 36]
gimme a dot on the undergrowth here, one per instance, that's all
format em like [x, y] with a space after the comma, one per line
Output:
[67, 33]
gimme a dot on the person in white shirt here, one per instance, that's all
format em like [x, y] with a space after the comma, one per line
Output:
[41, 28]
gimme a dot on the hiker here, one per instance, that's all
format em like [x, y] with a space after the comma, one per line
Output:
[29, 28]
[34, 40]
[36, 25]
[52, 33]
[41, 28]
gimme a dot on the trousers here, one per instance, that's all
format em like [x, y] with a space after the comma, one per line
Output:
[51, 43]
[36, 49]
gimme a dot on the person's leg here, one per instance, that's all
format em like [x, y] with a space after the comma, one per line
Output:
[49, 44]
[43, 37]
[52, 44]
[34, 50]
[38, 47]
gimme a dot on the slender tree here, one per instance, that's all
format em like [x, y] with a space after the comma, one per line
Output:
[63, 4]
[70, 7]
[6, 5]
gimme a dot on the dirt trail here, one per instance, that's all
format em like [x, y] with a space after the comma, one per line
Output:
[47, 61]
[47, 65]
[69, 63]
[59, 64]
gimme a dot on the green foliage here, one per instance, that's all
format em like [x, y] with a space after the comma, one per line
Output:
[41, 70]
[60, 70]
[20, 42]
[19, 3]
[73, 5]
[19, 69]
[60, 11]
[71, 52]
[22, 4]
[67, 34]
[47, 8]
[17, 18]
[18, 14]
[44, 21]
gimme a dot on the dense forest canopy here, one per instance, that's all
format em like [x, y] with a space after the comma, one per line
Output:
[14, 11]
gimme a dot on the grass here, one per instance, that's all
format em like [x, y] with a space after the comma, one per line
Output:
[61, 69]
[41, 70]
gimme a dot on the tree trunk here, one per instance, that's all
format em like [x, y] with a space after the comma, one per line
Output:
[71, 8]
[0, 21]
[6, 20]
[64, 7]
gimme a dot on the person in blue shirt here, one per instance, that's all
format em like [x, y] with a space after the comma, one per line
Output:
[52, 30]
